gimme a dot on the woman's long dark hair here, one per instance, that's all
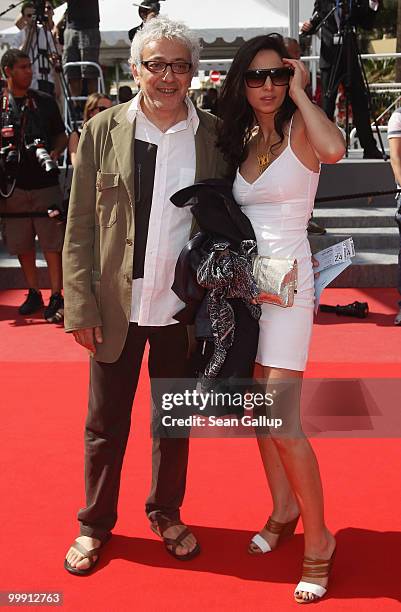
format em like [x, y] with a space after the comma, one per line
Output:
[234, 109]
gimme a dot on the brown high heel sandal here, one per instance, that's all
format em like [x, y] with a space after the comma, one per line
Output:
[259, 546]
[314, 568]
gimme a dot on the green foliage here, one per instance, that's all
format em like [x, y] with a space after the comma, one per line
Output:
[380, 70]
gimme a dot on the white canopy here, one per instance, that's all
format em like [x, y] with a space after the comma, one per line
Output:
[234, 10]
[211, 19]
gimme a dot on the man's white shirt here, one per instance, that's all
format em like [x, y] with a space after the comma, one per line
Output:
[153, 301]
[394, 125]
[41, 40]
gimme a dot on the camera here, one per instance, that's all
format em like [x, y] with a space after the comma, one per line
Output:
[40, 11]
[9, 154]
[360, 310]
[12, 150]
[355, 13]
[42, 156]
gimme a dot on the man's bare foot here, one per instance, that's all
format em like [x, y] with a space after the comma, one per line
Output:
[188, 543]
[76, 559]
[322, 552]
[170, 529]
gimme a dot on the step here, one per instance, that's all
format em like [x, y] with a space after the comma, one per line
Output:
[353, 177]
[364, 216]
[370, 269]
[365, 238]
[11, 276]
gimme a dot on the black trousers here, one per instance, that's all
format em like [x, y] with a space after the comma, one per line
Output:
[111, 393]
[358, 98]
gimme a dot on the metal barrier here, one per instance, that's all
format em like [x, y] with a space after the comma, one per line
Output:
[100, 88]
[380, 87]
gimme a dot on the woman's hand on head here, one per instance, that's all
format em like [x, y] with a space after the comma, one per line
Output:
[300, 78]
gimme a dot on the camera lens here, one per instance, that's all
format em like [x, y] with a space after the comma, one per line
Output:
[44, 159]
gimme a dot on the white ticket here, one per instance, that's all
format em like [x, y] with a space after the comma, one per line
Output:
[332, 261]
[325, 278]
[335, 254]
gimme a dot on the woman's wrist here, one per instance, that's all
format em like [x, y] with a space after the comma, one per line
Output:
[299, 96]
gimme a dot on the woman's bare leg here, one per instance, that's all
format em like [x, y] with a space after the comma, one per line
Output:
[285, 506]
[299, 463]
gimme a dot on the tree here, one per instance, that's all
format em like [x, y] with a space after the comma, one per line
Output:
[398, 48]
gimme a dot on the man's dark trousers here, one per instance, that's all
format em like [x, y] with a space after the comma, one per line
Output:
[111, 393]
[357, 96]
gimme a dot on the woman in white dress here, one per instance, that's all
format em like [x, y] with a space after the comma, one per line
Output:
[275, 139]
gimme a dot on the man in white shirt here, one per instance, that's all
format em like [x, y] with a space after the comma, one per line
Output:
[37, 41]
[394, 139]
[122, 242]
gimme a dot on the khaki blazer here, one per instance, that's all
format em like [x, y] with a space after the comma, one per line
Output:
[100, 233]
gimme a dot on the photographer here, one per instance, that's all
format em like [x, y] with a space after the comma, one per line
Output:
[37, 124]
[363, 13]
[82, 43]
[147, 10]
[35, 38]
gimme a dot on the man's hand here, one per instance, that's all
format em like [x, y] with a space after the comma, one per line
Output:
[59, 145]
[306, 26]
[53, 212]
[23, 22]
[89, 337]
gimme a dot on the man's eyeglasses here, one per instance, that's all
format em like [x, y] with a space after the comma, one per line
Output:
[159, 67]
[279, 76]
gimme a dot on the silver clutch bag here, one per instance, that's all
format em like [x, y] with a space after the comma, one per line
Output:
[277, 277]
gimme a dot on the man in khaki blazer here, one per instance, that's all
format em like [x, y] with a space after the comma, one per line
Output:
[107, 266]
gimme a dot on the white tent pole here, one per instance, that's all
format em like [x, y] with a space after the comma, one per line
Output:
[313, 68]
[293, 18]
[117, 76]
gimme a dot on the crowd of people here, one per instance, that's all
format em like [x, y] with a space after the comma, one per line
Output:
[124, 236]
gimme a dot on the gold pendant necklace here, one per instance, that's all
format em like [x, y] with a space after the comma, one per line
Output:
[263, 158]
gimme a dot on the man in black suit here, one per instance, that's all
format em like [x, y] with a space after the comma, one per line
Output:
[147, 10]
[363, 14]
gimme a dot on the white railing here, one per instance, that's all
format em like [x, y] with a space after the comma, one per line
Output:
[100, 88]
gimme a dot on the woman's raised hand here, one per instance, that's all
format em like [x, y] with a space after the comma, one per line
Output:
[300, 78]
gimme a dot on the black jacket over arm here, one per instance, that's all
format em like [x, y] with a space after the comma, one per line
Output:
[227, 326]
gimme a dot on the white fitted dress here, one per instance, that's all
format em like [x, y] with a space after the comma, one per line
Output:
[279, 204]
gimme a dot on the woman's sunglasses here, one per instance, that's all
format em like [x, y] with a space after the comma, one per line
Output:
[278, 76]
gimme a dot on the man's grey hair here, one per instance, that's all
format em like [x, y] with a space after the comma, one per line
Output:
[163, 27]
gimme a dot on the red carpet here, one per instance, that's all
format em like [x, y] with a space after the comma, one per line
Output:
[43, 395]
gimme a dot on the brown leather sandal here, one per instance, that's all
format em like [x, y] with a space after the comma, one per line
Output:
[87, 554]
[259, 546]
[159, 523]
[313, 568]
